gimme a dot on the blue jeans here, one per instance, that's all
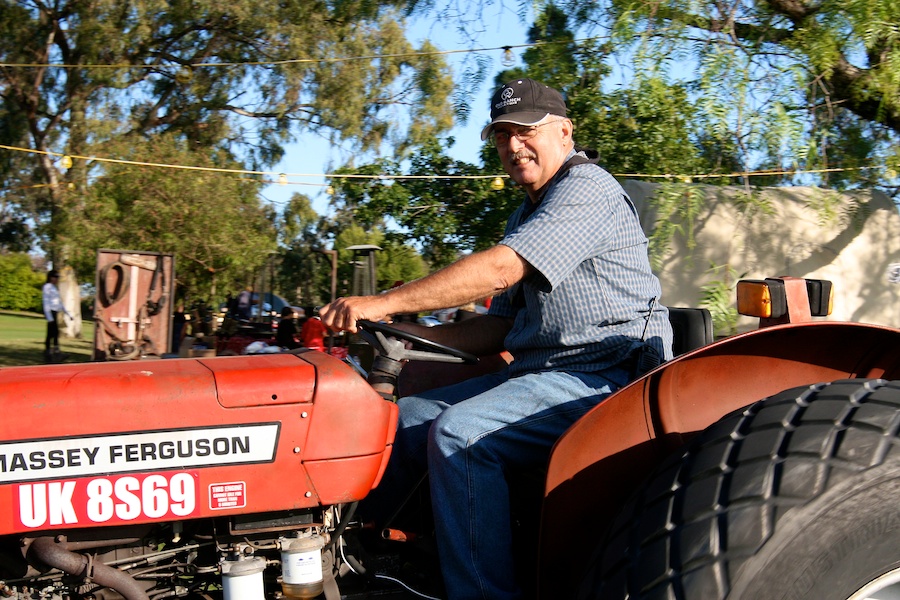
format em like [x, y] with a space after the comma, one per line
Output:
[472, 433]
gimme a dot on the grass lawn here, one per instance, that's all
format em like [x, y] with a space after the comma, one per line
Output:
[22, 340]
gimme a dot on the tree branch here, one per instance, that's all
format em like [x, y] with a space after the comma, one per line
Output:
[849, 87]
[845, 84]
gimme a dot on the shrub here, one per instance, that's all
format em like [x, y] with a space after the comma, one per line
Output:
[20, 286]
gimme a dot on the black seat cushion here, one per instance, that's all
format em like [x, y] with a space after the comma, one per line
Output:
[692, 328]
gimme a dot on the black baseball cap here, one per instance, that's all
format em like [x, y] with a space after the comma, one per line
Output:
[524, 102]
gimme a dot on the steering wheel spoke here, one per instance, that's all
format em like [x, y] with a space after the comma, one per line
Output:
[380, 336]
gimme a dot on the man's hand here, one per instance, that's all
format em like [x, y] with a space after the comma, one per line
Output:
[343, 313]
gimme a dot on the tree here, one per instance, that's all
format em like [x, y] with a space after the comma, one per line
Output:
[213, 223]
[304, 274]
[797, 84]
[649, 126]
[397, 261]
[15, 233]
[445, 206]
[242, 76]
[20, 286]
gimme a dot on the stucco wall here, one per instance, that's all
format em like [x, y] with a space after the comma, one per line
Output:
[860, 255]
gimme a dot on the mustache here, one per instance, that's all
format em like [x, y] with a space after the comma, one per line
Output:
[522, 154]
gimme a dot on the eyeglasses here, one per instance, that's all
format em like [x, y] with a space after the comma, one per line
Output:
[521, 133]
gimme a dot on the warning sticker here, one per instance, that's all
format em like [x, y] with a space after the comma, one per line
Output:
[227, 495]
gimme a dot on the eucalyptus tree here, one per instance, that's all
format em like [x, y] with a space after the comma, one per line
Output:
[304, 269]
[449, 206]
[641, 123]
[443, 206]
[244, 76]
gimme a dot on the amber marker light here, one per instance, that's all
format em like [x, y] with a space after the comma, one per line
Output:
[763, 299]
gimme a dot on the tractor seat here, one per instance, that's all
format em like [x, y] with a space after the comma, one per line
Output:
[692, 328]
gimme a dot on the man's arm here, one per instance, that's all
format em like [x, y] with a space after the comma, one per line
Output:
[471, 278]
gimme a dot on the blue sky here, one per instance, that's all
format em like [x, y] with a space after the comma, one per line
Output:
[312, 154]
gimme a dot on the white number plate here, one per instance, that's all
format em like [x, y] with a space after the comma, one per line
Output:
[107, 500]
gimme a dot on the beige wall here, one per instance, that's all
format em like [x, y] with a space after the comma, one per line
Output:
[862, 259]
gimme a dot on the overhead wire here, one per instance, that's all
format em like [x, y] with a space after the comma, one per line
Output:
[283, 178]
[289, 61]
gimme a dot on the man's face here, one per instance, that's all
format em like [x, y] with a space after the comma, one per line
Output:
[532, 155]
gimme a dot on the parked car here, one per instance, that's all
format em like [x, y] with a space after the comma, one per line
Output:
[428, 321]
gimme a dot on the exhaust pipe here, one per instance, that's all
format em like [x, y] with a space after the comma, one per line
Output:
[54, 552]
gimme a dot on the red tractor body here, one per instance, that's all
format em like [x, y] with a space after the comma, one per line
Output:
[91, 445]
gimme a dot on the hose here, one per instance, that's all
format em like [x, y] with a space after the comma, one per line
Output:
[342, 525]
[123, 279]
[154, 308]
[55, 553]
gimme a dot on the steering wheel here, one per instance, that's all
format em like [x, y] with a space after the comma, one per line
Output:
[377, 334]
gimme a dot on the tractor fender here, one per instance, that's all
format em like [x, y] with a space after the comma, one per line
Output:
[599, 462]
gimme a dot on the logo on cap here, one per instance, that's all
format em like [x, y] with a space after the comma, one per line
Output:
[506, 99]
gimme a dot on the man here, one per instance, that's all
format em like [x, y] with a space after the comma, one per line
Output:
[245, 298]
[576, 305]
[52, 305]
[313, 333]
[286, 333]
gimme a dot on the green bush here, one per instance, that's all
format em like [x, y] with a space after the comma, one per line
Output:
[20, 286]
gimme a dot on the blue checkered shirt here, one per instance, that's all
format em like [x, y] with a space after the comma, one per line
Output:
[592, 297]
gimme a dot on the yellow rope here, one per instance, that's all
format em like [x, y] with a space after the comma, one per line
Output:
[280, 62]
[282, 176]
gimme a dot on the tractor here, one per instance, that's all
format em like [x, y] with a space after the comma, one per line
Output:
[761, 465]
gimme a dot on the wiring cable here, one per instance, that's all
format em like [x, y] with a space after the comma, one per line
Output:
[405, 586]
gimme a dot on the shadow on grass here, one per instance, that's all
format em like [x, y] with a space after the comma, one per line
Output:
[22, 340]
[21, 353]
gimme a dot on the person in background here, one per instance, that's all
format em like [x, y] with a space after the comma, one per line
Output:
[574, 302]
[286, 334]
[53, 306]
[244, 301]
[313, 333]
[179, 329]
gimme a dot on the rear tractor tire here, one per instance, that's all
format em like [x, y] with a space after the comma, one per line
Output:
[795, 497]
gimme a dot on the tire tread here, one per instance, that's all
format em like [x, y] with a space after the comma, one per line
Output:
[690, 529]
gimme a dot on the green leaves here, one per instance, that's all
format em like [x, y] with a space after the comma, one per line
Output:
[212, 222]
[444, 206]
[20, 287]
[784, 85]
[242, 77]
